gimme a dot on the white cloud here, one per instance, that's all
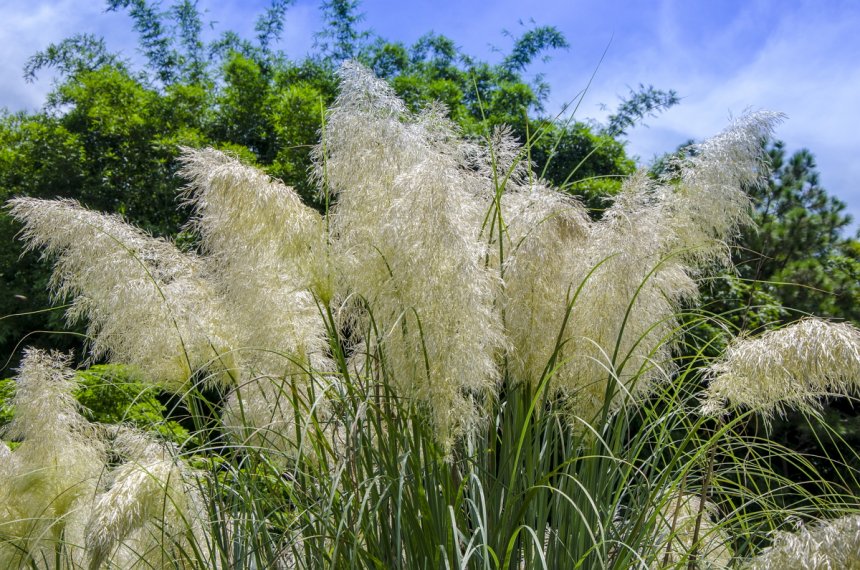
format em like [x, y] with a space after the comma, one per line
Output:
[802, 61]
[31, 26]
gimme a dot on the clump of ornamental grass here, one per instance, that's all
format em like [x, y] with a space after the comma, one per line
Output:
[427, 273]
[77, 495]
[452, 367]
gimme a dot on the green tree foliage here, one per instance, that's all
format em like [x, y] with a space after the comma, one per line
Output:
[584, 161]
[800, 250]
[270, 25]
[154, 39]
[639, 104]
[79, 53]
[794, 259]
[341, 39]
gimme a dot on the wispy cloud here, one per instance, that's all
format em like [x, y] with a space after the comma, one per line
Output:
[802, 61]
[31, 26]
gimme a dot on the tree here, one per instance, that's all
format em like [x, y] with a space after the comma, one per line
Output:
[794, 254]
[341, 39]
[800, 251]
[582, 160]
[639, 104]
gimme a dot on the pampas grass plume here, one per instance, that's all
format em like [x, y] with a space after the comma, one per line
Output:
[48, 478]
[789, 368]
[150, 510]
[676, 528]
[829, 545]
[407, 223]
[147, 303]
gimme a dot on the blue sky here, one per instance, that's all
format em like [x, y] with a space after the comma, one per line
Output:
[722, 57]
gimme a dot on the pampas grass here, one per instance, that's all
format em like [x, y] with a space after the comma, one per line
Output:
[67, 504]
[147, 304]
[453, 367]
[823, 546]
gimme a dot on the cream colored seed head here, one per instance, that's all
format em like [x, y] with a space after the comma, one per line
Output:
[407, 223]
[829, 545]
[789, 368]
[47, 483]
[268, 260]
[150, 509]
[686, 529]
[147, 303]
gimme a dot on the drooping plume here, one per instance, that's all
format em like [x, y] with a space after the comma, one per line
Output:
[147, 303]
[50, 478]
[151, 512]
[789, 368]
[826, 546]
[407, 220]
[268, 256]
[711, 200]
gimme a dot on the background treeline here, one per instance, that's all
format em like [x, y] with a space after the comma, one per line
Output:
[110, 133]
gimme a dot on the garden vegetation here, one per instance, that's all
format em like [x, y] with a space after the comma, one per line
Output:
[451, 366]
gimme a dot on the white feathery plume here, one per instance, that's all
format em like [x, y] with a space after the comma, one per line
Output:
[56, 467]
[829, 545]
[558, 259]
[546, 232]
[635, 268]
[711, 201]
[147, 303]
[789, 368]
[240, 211]
[268, 256]
[622, 325]
[150, 510]
[677, 538]
[407, 221]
